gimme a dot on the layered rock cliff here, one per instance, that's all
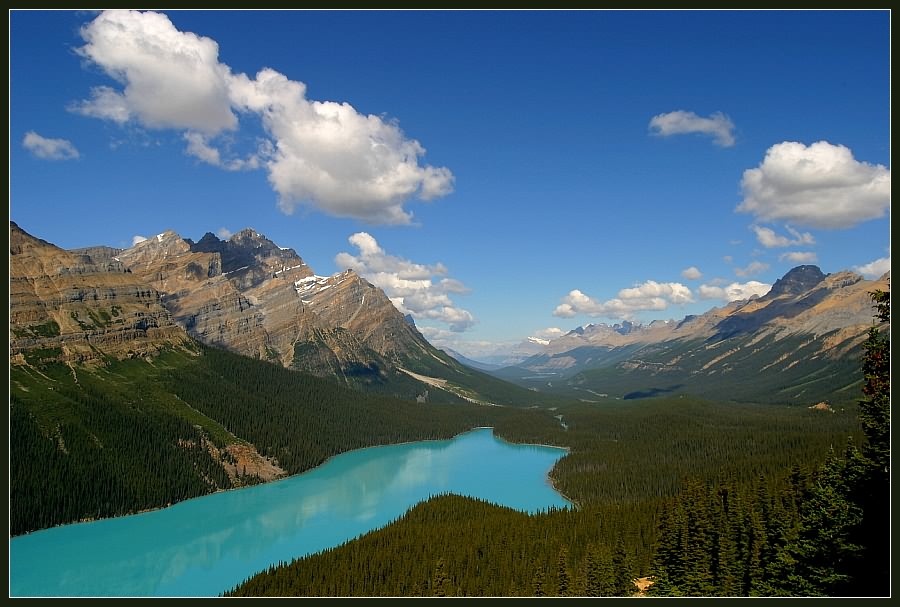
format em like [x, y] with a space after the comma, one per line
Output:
[77, 306]
[253, 297]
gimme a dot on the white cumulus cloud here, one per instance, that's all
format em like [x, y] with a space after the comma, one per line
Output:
[650, 295]
[820, 186]
[321, 154]
[799, 257]
[417, 289]
[769, 239]
[680, 122]
[224, 233]
[548, 333]
[170, 79]
[330, 156]
[733, 292]
[137, 238]
[874, 269]
[755, 267]
[48, 148]
[691, 273]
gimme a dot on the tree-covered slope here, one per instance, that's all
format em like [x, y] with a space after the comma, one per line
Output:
[626, 463]
[89, 441]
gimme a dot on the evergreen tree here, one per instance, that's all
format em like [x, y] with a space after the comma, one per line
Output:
[440, 583]
[872, 489]
[564, 580]
[592, 582]
[537, 581]
[841, 547]
[875, 408]
[823, 554]
[623, 579]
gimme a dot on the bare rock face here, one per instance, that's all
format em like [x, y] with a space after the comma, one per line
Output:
[236, 294]
[349, 302]
[79, 306]
[253, 297]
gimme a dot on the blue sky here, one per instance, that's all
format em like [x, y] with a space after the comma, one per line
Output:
[499, 173]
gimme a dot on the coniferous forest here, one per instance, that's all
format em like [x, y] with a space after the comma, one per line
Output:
[96, 442]
[705, 499]
[750, 516]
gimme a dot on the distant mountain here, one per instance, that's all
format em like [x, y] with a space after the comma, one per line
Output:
[510, 355]
[798, 342]
[469, 362]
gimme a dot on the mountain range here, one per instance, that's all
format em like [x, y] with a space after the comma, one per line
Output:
[244, 294]
[141, 377]
[799, 342]
[248, 295]
[79, 306]
[144, 376]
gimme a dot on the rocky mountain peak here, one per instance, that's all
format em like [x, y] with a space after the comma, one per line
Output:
[252, 296]
[248, 237]
[209, 240]
[21, 241]
[160, 246]
[250, 258]
[798, 280]
[626, 327]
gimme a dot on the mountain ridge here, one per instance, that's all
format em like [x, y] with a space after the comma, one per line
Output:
[810, 316]
[259, 299]
[248, 295]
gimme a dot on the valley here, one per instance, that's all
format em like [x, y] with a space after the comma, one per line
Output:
[138, 381]
[449, 303]
[798, 345]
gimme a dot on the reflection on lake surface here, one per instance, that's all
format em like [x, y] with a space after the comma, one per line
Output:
[204, 546]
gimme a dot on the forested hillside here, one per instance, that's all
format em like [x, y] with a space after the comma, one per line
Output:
[626, 463]
[98, 441]
[702, 499]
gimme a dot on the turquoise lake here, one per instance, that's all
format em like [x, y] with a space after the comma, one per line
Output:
[204, 546]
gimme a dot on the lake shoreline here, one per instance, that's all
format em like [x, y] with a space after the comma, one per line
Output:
[234, 535]
[297, 474]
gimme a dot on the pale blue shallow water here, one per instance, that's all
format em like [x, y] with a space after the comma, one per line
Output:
[204, 546]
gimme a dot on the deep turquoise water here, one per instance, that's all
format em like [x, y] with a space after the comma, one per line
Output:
[204, 546]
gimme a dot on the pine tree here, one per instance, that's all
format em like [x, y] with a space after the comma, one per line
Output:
[563, 577]
[622, 570]
[875, 408]
[872, 466]
[440, 583]
[537, 581]
[824, 553]
[668, 565]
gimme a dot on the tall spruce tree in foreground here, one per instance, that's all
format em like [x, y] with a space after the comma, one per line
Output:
[842, 545]
[872, 490]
